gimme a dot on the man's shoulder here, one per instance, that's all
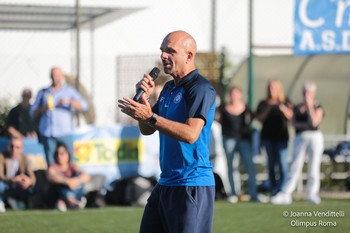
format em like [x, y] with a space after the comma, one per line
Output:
[5, 154]
[69, 89]
[44, 89]
[15, 109]
[200, 84]
[25, 159]
[200, 81]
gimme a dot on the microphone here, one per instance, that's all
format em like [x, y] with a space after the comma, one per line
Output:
[154, 74]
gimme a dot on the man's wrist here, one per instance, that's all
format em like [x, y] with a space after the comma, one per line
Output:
[152, 120]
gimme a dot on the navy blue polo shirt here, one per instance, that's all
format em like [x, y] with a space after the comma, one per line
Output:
[181, 163]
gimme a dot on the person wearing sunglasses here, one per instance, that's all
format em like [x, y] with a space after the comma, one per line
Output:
[17, 178]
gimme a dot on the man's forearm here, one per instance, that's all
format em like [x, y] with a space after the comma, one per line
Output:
[187, 132]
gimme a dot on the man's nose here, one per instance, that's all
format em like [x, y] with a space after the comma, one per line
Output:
[164, 56]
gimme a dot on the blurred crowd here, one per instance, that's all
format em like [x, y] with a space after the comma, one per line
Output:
[276, 114]
[50, 119]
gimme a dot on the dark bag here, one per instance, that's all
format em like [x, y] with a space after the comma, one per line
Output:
[130, 191]
[220, 192]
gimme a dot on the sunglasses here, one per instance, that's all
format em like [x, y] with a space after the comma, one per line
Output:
[16, 147]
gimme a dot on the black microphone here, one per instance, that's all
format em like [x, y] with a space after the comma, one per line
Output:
[154, 74]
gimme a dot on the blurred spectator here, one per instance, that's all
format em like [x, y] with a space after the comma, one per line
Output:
[215, 147]
[274, 113]
[215, 143]
[236, 117]
[67, 180]
[308, 141]
[19, 122]
[56, 106]
[16, 176]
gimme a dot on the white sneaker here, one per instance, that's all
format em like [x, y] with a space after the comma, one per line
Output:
[233, 199]
[316, 200]
[13, 203]
[263, 199]
[2, 207]
[281, 199]
[82, 203]
[61, 206]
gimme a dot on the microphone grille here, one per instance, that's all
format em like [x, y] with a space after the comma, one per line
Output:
[154, 73]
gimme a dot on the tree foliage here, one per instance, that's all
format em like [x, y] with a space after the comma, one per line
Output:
[4, 111]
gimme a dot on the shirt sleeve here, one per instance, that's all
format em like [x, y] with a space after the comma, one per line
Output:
[200, 99]
[78, 97]
[38, 102]
[12, 118]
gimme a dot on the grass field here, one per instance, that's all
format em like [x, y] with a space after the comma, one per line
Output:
[229, 218]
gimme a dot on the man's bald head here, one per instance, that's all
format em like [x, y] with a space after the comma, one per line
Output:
[187, 41]
[56, 75]
[178, 52]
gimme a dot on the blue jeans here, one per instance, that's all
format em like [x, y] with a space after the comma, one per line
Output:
[3, 189]
[77, 193]
[277, 154]
[14, 191]
[64, 192]
[50, 144]
[244, 148]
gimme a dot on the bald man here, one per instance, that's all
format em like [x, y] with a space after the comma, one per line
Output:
[19, 121]
[56, 106]
[183, 199]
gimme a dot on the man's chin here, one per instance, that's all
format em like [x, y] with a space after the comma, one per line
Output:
[167, 70]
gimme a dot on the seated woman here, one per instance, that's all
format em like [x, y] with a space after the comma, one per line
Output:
[67, 180]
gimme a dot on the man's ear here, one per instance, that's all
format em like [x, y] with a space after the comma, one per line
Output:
[189, 56]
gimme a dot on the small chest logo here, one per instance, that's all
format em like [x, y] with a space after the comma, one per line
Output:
[178, 98]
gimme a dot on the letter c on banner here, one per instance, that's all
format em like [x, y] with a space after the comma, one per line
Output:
[304, 18]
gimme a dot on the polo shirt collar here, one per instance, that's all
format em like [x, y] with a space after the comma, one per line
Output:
[188, 77]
